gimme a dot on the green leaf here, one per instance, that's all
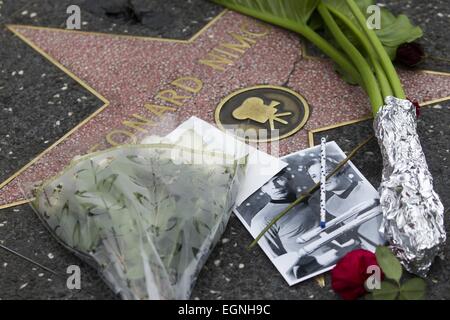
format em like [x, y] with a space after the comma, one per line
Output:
[140, 197]
[413, 289]
[178, 247]
[342, 7]
[198, 224]
[87, 206]
[81, 193]
[287, 12]
[65, 208]
[171, 223]
[387, 291]
[107, 183]
[394, 30]
[136, 159]
[389, 263]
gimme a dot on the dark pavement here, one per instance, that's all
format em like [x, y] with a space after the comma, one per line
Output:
[232, 272]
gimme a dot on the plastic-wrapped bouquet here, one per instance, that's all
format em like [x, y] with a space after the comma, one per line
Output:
[146, 216]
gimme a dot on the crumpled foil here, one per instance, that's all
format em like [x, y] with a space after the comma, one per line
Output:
[413, 215]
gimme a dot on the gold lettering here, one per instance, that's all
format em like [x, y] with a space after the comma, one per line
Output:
[171, 96]
[235, 56]
[244, 43]
[215, 61]
[245, 29]
[157, 109]
[226, 53]
[110, 137]
[138, 125]
[183, 82]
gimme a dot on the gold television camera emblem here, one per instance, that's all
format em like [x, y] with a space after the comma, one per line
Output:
[254, 109]
[271, 112]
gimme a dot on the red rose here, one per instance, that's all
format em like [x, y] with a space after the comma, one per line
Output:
[350, 273]
[410, 54]
[416, 105]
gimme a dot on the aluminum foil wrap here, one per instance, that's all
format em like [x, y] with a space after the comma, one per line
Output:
[413, 215]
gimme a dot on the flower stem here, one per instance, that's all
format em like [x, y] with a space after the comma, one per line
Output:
[386, 62]
[309, 192]
[379, 72]
[368, 78]
[331, 52]
[382, 79]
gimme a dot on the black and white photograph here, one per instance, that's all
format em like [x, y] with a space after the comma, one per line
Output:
[297, 244]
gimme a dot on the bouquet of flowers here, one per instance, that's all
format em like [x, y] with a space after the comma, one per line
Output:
[146, 216]
[412, 211]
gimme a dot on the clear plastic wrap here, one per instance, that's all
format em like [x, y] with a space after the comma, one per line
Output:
[146, 216]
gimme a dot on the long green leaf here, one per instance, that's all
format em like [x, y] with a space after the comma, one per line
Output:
[388, 291]
[389, 263]
[293, 11]
[393, 31]
[413, 289]
[396, 31]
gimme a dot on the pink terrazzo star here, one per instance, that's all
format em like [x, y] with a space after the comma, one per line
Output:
[127, 73]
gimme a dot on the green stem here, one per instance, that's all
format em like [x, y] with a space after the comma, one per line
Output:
[331, 52]
[386, 62]
[306, 32]
[309, 192]
[379, 72]
[368, 78]
[382, 79]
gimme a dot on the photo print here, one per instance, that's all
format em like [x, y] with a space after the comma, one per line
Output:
[297, 245]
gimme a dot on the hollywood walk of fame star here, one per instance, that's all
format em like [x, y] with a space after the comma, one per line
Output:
[127, 72]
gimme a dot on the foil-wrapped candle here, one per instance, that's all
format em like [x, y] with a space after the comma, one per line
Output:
[413, 215]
